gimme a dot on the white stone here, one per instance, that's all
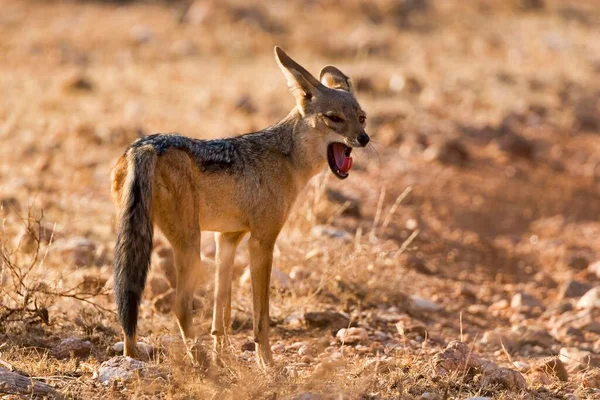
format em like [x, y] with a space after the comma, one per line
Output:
[591, 299]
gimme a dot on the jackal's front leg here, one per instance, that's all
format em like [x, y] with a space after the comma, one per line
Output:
[261, 259]
[226, 246]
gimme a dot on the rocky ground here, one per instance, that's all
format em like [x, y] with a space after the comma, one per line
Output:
[460, 259]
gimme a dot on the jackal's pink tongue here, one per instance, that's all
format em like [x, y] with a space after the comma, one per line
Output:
[343, 162]
[346, 165]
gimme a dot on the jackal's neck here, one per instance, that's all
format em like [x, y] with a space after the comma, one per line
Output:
[306, 158]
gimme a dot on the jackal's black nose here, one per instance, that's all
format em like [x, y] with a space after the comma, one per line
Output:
[363, 139]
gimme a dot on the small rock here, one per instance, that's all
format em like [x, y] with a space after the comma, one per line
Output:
[352, 205]
[554, 367]
[184, 47]
[157, 285]
[499, 305]
[573, 289]
[594, 268]
[164, 302]
[517, 336]
[249, 346]
[522, 366]
[457, 356]
[279, 279]
[330, 231]
[506, 378]
[9, 204]
[124, 368]
[430, 396]
[141, 34]
[144, 350]
[423, 304]
[477, 309]
[80, 251]
[72, 347]
[516, 145]
[591, 299]
[295, 320]
[77, 83]
[449, 152]
[27, 240]
[578, 261]
[587, 112]
[278, 348]
[299, 273]
[577, 359]
[591, 378]
[307, 350]
[327, 319]
[410, 328]
[524, 300]
[352, 335]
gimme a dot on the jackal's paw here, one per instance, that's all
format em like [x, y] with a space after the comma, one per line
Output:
[264, 358]
[198, 355]
[222, 350]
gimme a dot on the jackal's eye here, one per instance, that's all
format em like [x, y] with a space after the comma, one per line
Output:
[362, 119]
[334, 118]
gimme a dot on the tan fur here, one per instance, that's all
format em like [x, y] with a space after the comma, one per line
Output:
[187, 200]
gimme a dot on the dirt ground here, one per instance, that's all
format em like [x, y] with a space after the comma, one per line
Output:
[473, 217]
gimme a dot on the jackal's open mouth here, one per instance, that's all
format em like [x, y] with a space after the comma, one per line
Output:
[338, 157]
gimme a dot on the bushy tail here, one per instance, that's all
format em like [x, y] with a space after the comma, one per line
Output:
[134, 236]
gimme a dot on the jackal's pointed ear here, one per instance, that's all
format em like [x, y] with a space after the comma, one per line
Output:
[303, 85]
[333, 78]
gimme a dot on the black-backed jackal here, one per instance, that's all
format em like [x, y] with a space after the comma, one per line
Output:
[234, 186]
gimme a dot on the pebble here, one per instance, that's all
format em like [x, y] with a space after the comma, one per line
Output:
[72, 347]
[572, 289]
[423, 304]
[526, 300]
[554, 367]
[522, 366]
[157, 285]
[278, 348]
[279, 279]
[141, 34]
[591, 299]
[449, 152]
[307, 350]
[594, 268]
[506, 378]
[80, 251]
[577, 359]
[298, 273]
[144, 350]
[352, 335]
[327, 319]
[591, 378]
[123, 368]
[330, 231]
[517, 336]
[458, 355]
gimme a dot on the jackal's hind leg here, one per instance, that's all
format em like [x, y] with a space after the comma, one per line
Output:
[188, 265]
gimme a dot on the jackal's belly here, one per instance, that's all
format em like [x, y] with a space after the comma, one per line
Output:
[221, 216]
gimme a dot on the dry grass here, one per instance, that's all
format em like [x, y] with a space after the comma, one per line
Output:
[82, 79]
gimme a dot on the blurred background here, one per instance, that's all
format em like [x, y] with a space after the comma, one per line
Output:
[479, 197]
